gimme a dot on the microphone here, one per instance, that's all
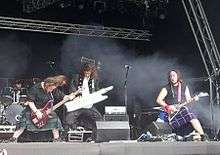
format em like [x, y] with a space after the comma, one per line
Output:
[128, 66]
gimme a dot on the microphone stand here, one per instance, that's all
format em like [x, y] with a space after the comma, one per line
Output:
[125, 87]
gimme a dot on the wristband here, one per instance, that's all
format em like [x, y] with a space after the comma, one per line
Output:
[168, 108]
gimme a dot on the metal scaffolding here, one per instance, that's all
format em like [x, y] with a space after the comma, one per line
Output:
[74, 29]
[207, 47]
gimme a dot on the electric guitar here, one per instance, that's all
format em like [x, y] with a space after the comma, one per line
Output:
[46, 110]
[178, 106]
[72, 105]
[88, 100]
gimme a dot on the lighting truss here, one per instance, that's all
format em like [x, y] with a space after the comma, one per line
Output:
[74, 29]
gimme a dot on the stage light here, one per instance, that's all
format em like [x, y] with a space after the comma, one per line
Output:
[80, 4]
[99, 6]
[161, 14]
[65, 4]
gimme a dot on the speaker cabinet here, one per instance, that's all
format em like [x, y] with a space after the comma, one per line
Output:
[112, 130]
[159, 128]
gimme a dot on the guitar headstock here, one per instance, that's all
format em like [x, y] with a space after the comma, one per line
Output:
[203, 94]
[79, 90]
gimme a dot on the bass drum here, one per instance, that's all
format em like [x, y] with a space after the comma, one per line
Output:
[7, 96]
[13, 113]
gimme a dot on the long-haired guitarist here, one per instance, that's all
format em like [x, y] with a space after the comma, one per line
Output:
[87, 81]
[176, 91]
[42, 96]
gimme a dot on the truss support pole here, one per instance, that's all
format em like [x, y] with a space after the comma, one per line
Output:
[207, 48]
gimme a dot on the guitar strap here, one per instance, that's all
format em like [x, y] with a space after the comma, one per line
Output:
[52, 98]
[179, 92]
[179, 95]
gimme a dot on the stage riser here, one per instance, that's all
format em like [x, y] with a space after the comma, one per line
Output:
[151, 148]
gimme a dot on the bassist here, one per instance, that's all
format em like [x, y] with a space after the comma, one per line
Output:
[38, 97]
[176, 92]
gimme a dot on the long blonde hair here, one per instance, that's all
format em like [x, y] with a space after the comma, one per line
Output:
[58, 80]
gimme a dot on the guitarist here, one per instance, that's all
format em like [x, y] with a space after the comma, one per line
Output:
[176, 92]
[38, 96]
[87, 81]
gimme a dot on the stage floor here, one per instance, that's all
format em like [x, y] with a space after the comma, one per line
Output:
[113, 148]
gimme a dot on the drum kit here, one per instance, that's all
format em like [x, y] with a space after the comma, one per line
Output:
[11, 105]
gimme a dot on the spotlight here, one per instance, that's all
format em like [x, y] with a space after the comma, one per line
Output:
[65, 4]
[161, 14]
[99, 6]
[81, 6]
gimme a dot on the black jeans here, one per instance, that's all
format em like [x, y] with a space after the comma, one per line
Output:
[83, 117]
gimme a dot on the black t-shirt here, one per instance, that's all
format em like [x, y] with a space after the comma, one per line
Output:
[37, 95]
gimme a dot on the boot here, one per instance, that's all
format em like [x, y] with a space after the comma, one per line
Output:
[204, 137]
[10, 140]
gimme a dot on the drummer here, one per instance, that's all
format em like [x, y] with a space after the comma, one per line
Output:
[19, 92]
[6, 96]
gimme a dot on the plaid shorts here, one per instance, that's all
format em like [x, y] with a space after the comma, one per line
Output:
[25, 122]
[182, 117]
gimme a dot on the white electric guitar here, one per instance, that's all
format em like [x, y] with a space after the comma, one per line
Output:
[178, 106]
[88, 100]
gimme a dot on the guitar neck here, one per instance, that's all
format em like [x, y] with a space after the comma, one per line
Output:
[58, 105]
[183, 104]
[186, 102]
[64, 101]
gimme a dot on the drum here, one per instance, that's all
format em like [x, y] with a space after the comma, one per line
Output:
[23, 96]
[2, 114]
[13, 113]
[7, 96]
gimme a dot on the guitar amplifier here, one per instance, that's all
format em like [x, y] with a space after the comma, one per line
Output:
[108, 117]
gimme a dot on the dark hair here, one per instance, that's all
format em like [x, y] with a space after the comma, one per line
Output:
[14, 83]
[89, 67]
[178, 75]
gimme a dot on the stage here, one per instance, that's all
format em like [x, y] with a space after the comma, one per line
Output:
[113, 148]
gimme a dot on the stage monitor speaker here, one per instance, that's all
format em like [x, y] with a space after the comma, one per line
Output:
[115, 117]
[159, 128]
[112, 130]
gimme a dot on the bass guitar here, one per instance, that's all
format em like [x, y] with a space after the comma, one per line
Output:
[75, 104]
[46, 110]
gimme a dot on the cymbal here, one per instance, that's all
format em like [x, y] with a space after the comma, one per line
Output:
[5, 101]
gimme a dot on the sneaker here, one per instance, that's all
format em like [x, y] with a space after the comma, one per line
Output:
[10, 140]
[57, 140]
